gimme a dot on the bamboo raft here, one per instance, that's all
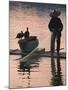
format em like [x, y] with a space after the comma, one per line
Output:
[38, 52]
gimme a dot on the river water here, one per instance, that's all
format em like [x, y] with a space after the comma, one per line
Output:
[39, 71]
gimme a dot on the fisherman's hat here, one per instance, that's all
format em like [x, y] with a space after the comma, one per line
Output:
[55, 13]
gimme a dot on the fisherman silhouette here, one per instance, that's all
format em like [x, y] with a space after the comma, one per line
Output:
[26, 34]
[20, 35]
[55, 26]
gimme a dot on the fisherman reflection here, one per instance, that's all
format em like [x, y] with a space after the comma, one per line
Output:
[56, 72]
[55, 26]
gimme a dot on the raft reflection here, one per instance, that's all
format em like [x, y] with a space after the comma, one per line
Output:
[26, 68]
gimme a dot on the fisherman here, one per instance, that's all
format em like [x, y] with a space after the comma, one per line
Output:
[26, 34]
[55, 26]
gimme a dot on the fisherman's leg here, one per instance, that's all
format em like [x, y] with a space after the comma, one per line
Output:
[58, 45]
[52, 46]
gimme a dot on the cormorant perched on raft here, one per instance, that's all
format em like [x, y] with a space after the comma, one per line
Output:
[20, 35]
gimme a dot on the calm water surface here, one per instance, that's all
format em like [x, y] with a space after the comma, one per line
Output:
[38, 71]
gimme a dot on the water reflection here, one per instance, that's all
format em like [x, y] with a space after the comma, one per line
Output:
[26, 68]
[56, 79]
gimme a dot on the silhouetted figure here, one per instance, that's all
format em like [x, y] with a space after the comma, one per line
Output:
[26, 34]
[20, 35]
[55, 26]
